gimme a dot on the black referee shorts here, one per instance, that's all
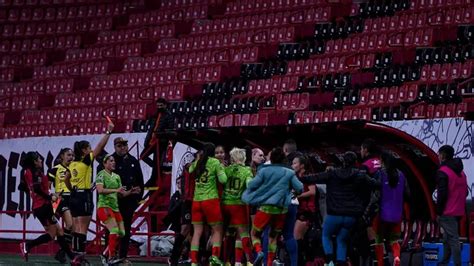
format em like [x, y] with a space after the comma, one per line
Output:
[81, 203]
[63, 205]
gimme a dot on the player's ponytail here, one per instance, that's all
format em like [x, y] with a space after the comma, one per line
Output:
[388, 161]
[27, 163]
[207, 151]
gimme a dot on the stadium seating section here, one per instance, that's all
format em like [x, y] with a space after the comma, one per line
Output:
[65, 64]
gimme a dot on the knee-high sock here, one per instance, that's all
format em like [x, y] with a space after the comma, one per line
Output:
[216, 249]
[271, 253]
[238, 251]
[113, 241]
[194, 254]
[44, 238]
[257, 245]
[379, 254]
[246, 246]
[64, 246]
[396, 249]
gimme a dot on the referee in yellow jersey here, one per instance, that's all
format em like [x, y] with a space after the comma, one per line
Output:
[58, 175]
[81, 203]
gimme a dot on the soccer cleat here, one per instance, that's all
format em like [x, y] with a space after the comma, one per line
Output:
[24, 251]
[60, 256]
[215, 261]
[228, 264]
[249, 263]
[114, 261]
[259, 258]
[103, 259]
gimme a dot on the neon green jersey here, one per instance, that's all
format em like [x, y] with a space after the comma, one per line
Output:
[237, 178]
[206, 184]
[110, 181]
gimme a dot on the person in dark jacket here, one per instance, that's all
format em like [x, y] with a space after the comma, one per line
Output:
[157, 137]
[451, 202]
[131, 176]
[291, 150]
[344, 203]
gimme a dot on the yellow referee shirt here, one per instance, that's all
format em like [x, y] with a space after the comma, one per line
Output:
[57, 175]
[81, 172]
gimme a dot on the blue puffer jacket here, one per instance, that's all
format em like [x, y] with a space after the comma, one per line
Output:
[272, 186]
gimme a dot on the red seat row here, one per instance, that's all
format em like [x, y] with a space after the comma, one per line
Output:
[429, 111]
[40, 44]
[41, 87]
[249, 6]
[91, 98]
[32, 59]
[21, 30]
[388, 95]
[35, 3]
[127, 35]
[166, 4]
[275, 85]
[278, 19]
[227, 40]
[78, 69]
[404, 21]
[446, 72]
[423, 5]
[157, 17]
[327, 65]
[382, 42]
[237, 55]
[83, 114]
[63, 13]
[63, 129]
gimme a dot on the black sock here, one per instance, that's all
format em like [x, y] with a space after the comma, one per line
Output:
[65, 247]
[44, 238]
[329, 258]
[177, 247]
[301, 252]
[82, 242]
[68, 235]
[75, 239]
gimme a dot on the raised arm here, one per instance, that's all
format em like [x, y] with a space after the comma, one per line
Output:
[103, 141]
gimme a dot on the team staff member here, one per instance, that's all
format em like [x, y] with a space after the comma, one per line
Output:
[37, 184]
[451, 202]
[131, 177]
[57, 176]
[81, 203]
[236, 211]
[206, 205]
[109, 188]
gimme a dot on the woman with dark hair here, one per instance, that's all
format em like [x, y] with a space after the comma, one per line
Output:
[270, 190]
[306, 208]
[344, 204]
[206, 207]
[393, 190]
[220, 155]
[37, 183]
[109, 187]
[58, 175]
[81, 203]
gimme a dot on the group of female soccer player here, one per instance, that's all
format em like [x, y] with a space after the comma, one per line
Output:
[73, 198]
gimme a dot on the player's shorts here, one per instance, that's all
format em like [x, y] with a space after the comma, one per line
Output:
[63, 205]
[45, 214]
[275, 221]
[386, 230]
[105, 213]
[186, 210]
[306, 216]
[81, 203]
[236, 215]
[208, 211]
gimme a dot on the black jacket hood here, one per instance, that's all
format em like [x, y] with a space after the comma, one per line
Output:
[454, 164]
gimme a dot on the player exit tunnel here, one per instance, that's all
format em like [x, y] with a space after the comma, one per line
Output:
[325, 143]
